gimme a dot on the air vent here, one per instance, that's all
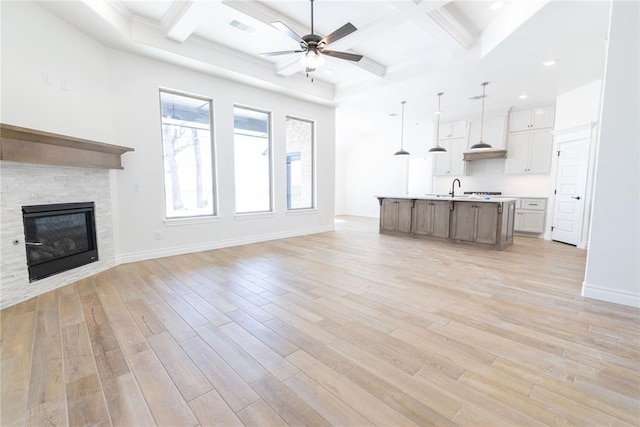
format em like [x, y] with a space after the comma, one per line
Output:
[242, 27]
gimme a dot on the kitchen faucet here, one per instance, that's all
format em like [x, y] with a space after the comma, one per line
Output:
[453, 186]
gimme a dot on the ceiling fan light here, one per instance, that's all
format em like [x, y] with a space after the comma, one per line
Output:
[312, 59]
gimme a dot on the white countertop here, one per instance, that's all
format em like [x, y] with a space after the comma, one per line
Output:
[462, 198]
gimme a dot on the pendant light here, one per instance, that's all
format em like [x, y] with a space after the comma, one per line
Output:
[402, 151]
[481, 144]
[438, 148]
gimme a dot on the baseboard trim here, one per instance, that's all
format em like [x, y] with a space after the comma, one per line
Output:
[618, 297]
[187, 249]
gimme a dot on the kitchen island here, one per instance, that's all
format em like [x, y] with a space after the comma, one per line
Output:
[482, 221]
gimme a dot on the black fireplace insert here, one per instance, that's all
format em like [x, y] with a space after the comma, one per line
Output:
[59, 237]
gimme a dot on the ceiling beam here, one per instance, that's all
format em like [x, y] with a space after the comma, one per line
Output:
[182, 19]
[266, 15]
[507, 23]
[433, 19]
[456, 32]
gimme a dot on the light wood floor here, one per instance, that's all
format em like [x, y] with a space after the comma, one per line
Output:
[349, 328]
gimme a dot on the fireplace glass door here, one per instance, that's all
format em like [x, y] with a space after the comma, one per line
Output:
[59, 237]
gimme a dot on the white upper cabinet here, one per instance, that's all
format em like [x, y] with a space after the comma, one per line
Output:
[450, 163]
[530, 152]
[536, 118]
[457, 129]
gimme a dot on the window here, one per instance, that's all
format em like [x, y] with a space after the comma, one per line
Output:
[300, 170]
[252, 155]
[188, 155]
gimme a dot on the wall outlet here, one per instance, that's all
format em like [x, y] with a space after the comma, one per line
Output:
[65, 84]
[158, 235]
[46, 79]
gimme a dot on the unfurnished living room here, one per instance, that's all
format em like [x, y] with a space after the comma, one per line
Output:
[326, 212]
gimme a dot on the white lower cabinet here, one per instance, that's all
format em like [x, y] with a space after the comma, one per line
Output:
[530, 215]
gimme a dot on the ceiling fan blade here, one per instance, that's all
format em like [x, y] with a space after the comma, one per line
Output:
[341, 32]
[281, 26]
[282, 52]
[342, 55]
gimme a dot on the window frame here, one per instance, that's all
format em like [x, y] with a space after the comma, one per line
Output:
[270, 115]
[314, 202]
[214, 166]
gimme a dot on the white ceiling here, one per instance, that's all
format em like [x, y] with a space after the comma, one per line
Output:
[412, 48]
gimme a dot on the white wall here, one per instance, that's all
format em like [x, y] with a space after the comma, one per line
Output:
[371, 169]
[135, 82]
[578, 107]
[613, 260]
[35, 43]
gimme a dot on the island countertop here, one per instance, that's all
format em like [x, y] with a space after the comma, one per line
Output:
[443, 197]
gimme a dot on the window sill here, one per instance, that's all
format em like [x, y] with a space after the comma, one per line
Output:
[191, 220]
[307, 211]
[254, 215]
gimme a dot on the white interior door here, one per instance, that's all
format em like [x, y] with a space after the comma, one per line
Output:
[570, 191]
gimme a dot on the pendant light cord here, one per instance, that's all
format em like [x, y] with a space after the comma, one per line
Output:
[484, 87]
[438, 121]
[402, 127]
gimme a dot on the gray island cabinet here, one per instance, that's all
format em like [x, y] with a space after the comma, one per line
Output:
[486, 222]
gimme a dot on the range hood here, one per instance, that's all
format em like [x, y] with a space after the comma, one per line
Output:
[470, 156]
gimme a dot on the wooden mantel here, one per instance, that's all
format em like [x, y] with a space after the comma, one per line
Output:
[18, 144]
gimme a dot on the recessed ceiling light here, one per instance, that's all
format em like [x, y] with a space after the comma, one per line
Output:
[549, 63]
[496, 5]
[393, 114]
[523, 96]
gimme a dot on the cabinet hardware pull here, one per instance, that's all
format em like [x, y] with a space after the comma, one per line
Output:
[33, 243]
[576, 197]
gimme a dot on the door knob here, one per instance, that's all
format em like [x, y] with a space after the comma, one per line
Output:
[576, 197]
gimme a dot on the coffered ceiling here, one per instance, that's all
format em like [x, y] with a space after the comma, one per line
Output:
[412, 48]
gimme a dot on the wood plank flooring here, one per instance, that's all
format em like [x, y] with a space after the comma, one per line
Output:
[349, 328]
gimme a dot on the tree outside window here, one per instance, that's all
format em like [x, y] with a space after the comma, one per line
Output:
[188, 155]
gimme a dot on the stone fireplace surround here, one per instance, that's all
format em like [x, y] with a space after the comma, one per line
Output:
[35, 184]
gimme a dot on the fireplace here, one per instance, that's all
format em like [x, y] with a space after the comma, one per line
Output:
[59, 237]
